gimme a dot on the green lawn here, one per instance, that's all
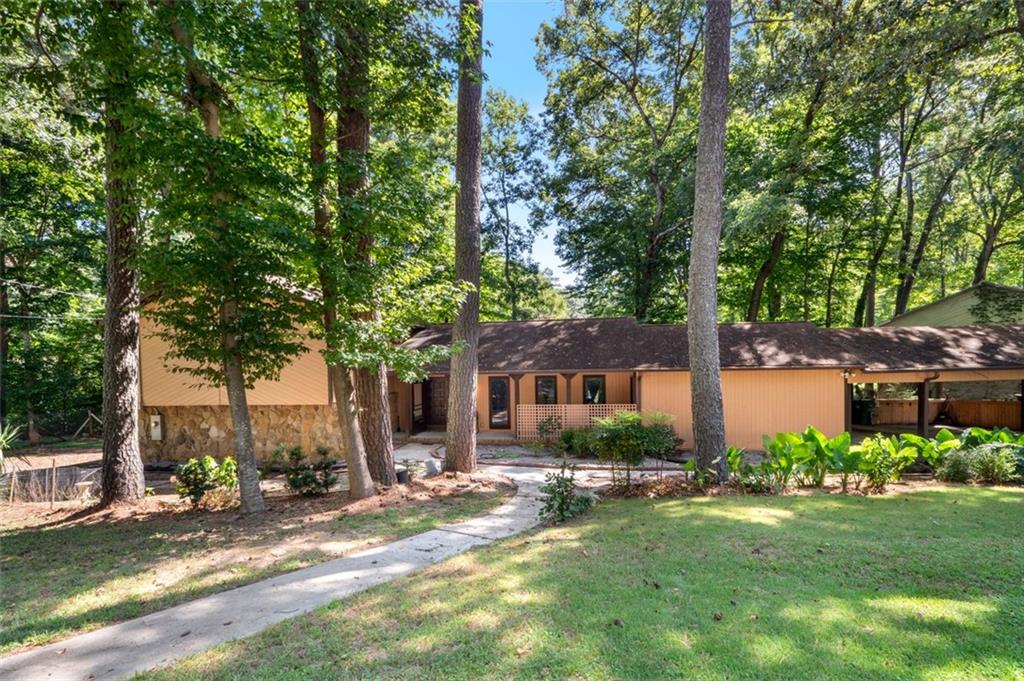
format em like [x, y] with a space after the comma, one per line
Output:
[924, 585]
[60, 580]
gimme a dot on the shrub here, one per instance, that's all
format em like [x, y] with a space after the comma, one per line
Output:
[932, 452]
[975, 437]
[196, 477]
[956, 467]
[782, 456]
[995, 463]
[883, 459]
[310, 478]
[548, 428]
[620, 441]
[562, 500]
[581, 442]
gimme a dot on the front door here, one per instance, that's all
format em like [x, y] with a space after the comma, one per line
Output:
[436, 402]
[498, 391]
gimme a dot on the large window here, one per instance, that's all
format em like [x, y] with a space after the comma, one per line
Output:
[546, 390]
[593, 390]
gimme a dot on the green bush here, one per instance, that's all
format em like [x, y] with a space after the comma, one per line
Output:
[196, 477]
[883, 459]
[659, 441]
[548, 427]
[581, 442]
[932, 451]
[995, 463]
[975, 437]
[956, 467]
[310, 478]
[562, 500]
[620, 441]
[783, 455]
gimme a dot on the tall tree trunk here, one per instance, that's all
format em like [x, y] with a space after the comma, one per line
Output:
[460, 447]
[352, 141]
[702, 322]
[774, 254]
[988, 247]
[348, 416]
[906, 286]
[122, 477]
[204, 90]
[371, 385]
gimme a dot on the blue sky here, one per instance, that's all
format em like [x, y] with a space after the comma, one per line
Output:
[509, 29]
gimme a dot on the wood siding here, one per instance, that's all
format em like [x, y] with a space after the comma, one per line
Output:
[984, 413]
[616, 384]
[756, 402]
[303, 381]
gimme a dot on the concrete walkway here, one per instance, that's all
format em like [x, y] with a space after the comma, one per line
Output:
[156, 640]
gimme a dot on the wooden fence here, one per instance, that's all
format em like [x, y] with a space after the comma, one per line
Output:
[984, 413]
[528, 416]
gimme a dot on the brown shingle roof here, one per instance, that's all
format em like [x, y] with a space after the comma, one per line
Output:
[620, 343]
[921, 348]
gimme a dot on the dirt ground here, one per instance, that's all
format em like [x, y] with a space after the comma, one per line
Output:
[281, 506]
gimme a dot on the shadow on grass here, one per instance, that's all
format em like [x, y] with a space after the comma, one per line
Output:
[922, 585]
[62, 579]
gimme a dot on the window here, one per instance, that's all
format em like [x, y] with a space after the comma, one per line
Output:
[546, 390]
[593, 390]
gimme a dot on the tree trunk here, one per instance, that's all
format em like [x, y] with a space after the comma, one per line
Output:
[460, 447]
[351, 144]
[204, 89]
[774, 253]
[122, 477]
[375, 423]
[906, 286]
[985, 255]
[702, 322]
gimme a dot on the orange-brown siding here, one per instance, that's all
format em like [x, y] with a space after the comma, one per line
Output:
[303, 380]
[756, 402]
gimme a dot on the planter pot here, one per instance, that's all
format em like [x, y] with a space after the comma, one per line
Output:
[403, 476]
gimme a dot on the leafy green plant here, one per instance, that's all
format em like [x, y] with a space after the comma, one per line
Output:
[562, 500]
[815, 460]
[956, 467]
[196, 477]
[783, 456]
[310, 478]
[580, 442]
[845, 460]
[8, 436]
[883, 459]
[932, 451]
[975, 437]
[995, 463]
[548, 428]
[620, 441]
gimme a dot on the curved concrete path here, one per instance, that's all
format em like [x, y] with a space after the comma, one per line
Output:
[120, 650]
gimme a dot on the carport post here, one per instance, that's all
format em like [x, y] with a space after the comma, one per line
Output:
[922, 408]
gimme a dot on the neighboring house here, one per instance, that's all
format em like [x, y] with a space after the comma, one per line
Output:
[984, 303]
[775, 377]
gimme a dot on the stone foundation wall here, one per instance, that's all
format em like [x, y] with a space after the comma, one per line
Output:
[198, 431]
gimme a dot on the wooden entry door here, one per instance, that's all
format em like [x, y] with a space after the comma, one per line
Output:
[436, 402]
[498, 401]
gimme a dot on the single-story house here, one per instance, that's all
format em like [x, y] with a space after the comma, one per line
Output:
[775, 376]
[980, 304]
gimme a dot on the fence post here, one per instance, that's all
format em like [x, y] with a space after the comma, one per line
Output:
[53, 481]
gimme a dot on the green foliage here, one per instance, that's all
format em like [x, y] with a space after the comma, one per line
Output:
[883, 459]
[783, 456]
[548, 428]
[8, 436]
[562, 500]
[975, 437]
[994, 463]
[196, 477]
[310, 477]
[581, 442]
[620, 441]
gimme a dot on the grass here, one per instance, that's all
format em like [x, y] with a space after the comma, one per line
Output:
[923, 585]
[64, 579]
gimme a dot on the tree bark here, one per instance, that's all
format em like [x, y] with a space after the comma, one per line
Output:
[702, 322]
[371, 385]
[460, 446]
[352, 141]
[122, 479]
[909, 276]
[774, 253]
[204, 90]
